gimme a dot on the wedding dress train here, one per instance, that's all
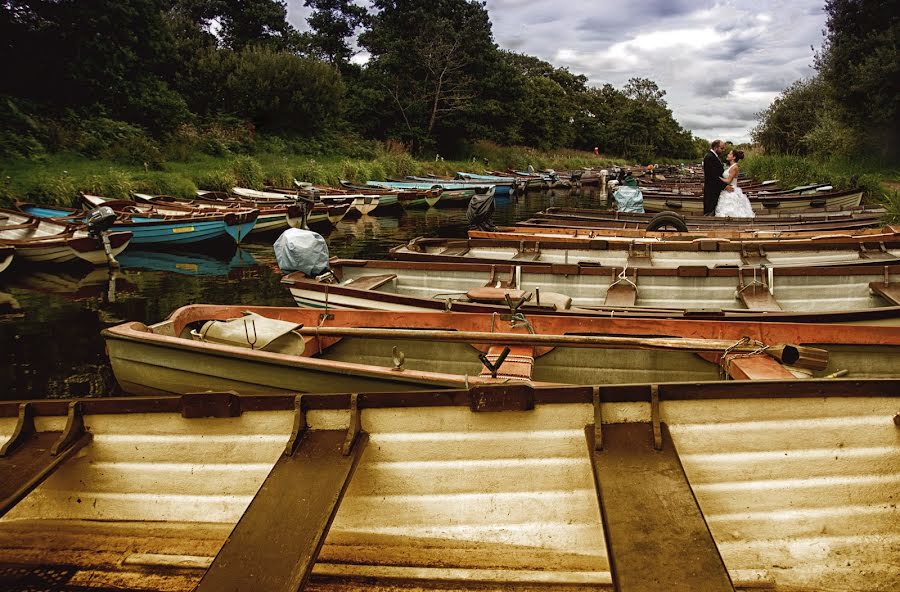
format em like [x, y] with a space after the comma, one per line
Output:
[734, 203]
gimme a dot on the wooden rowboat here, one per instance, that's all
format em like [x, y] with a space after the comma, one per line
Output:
[887, 234]
[824, 219]
[7, 253]
[38, 240]
[805, 294]
[704, 252]
[222, 348]
[272, 217]
[785, 486]
[767, 204]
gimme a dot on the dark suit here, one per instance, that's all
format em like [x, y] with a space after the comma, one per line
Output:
[712, 183]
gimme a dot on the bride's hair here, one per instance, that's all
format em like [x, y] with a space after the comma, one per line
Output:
[738, 155]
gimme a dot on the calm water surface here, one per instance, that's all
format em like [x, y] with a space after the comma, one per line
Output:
[50, 319]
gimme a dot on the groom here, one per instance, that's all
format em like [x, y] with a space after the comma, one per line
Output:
[712, 173]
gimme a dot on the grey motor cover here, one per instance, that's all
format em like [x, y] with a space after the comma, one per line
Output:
[301, 250]
[629, 199]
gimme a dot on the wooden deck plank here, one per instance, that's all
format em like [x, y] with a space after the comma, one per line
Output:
[656, 535]
[369, 282]
[621, 294]
[26, 466]
[757, 297]
[890, 292]
[274, 545]
[758, 367]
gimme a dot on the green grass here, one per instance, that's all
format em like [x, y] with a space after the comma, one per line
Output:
[58, 178]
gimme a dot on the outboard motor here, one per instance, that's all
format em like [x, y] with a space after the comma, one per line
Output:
[480, 213]
[99, 221]
[302, 250]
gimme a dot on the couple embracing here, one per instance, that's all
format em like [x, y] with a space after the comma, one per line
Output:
[721, 194]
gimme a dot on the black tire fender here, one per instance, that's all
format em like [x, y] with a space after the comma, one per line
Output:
[668, 218]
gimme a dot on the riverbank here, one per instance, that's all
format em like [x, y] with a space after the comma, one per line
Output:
[58, 178]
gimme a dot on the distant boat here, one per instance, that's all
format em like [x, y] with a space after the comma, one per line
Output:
[272, 217]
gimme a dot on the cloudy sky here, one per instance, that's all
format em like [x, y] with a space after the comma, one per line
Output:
[720, 62]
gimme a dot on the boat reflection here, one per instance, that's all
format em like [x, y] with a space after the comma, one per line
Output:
[73, 284]
[195, 264]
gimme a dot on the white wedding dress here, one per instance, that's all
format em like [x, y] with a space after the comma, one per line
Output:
[734, 203]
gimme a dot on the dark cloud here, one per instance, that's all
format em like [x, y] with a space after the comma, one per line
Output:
[769, 83]
[717, 86]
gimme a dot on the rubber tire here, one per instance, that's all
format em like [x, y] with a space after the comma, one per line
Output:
[668, 218]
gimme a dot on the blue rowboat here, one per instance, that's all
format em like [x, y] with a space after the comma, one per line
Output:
[163, 227]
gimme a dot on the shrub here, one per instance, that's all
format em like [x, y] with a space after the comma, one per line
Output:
[247, 172]
[55, 189]
[114, 184]
[165, 184]
[217, 180]
[311, 171]
[280, 175]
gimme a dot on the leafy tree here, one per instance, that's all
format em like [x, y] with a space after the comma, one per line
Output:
[243, 22]
[860, 66]
[333, 22]
[785, 124]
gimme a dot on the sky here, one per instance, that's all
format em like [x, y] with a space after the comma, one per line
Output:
[720, 62]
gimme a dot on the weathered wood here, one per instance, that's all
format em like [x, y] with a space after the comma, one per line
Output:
[30, 462]
[370, 282]
[656, 536]
[890, 292]
[274, 545]
[757, 367]
[621, 294]
[455, 251]
[757, 297]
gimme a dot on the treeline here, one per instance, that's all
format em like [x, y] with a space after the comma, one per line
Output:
[851, 106]
[149, 80]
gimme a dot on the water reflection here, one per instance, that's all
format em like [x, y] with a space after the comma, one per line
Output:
[50, 319]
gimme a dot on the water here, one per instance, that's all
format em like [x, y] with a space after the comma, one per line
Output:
[51, 319]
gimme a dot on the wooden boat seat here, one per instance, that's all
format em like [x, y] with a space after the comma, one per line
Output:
[274, 545]
[370, 282]
[527, 255]
[494, 295]
[890, 292]
[621, 294]
[455, 251]
[26, 465]
[649, 510]
[757, 297]
[519, 362]
[555, 299]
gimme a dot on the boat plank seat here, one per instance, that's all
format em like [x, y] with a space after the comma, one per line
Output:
[494, 295]
[656, 535]
[25, 466]
[890, 292]
[527, 255]
[370, 282]
[757, 297]
[455, 250]
[758, 367]
[519, 363]
[621, 294]
[274, 545]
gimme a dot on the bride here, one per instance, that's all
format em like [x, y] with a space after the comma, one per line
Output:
[733, 203]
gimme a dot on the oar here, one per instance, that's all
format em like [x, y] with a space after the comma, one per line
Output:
[580, 341]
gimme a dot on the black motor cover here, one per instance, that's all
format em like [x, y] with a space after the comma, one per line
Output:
[100, 219]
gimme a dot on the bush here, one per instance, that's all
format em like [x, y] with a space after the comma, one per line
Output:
[114, 184]
[247, 172]
[280, 175]
[55, 189]
[165, 184]
[311, 172]
[217, 180]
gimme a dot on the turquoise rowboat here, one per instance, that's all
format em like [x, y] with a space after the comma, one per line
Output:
[163, 229]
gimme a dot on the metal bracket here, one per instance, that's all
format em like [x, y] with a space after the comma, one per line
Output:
[494, 367]
[398, 357]
[654, 416]
[73, 430]
[598, 420]
[299, 427]
[514, 306]
[24, 429]
[355, 425]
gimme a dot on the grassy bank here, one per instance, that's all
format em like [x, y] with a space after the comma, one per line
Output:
[879, 180]
[58, 178]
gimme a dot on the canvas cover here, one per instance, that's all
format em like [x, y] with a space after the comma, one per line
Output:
[302, 250]
[629, 199]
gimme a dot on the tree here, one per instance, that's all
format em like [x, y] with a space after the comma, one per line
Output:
[860, 67]
[333, 22]
[645, 91]
[427, 57]
[783, 126]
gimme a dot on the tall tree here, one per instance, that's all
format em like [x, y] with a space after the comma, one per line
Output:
[333, 22]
